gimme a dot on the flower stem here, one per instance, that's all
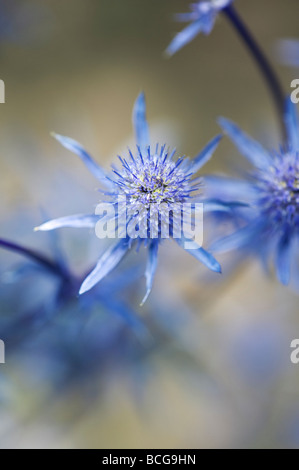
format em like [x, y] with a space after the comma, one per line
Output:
[264, 65]
[34, 255]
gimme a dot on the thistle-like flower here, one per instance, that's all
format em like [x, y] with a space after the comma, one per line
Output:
[202, 19]
[153, 187]
[272, 227]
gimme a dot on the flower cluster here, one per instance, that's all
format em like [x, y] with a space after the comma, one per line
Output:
[155, 186]
[75, 334]
[151, 191]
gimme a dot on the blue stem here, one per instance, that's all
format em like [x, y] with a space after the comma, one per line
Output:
[264, 65]
[39, 258]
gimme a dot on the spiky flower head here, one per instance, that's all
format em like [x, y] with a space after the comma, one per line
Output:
[156, 186]
[279, 191]
[151, 182]
[273, 222]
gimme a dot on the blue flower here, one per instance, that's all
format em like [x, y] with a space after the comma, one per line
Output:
[66, 340]
[59, 294]
[272, 225]
[148, 178]
[202, 19]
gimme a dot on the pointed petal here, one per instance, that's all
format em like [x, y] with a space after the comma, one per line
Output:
[201, 254]
[77, 148]
[204, 156]
[151, 268]
[221, 206]
[140, 123]
[106, 263]
[238, 239]
[185, 36]
[74, 221]
[292, 124]
[283, 260]
[222, 187]
[252, 150]
[20, 271]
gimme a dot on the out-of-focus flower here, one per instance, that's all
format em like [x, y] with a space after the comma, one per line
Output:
[202, 19]
[86, 342]
[63, 293]
[59, 286]
[150, 180]
[64, 340]
[272, 227]
[288, 52]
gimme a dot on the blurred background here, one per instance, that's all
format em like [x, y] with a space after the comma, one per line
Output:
[206, 362]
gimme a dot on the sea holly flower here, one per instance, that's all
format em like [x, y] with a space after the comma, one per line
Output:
[202, 19]
[272, 227]
[150, 180]
[63, 292]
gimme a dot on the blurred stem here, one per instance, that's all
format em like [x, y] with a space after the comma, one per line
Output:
[264, 65]
[33, 255]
